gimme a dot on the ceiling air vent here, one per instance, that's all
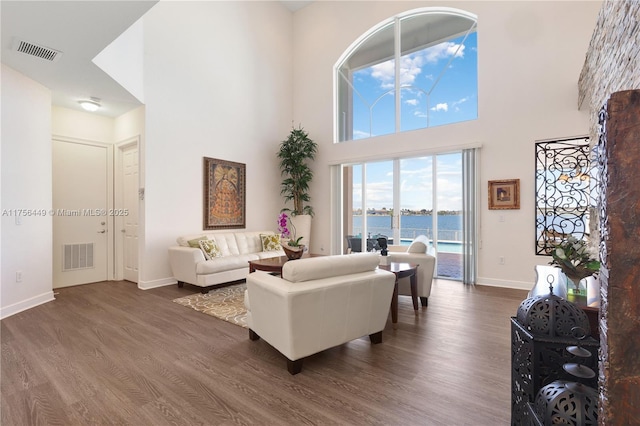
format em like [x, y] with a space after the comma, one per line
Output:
[36, 50]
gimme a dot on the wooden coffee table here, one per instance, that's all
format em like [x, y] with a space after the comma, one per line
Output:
[403, 270]
[271, 264]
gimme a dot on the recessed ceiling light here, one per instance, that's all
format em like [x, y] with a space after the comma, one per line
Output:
[90, 105]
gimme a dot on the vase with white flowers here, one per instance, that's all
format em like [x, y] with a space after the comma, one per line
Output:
[573, 257]
[290, 244]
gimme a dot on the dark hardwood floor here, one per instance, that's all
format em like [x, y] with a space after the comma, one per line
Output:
[108, 353]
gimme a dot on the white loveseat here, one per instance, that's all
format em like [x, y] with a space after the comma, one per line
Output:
[416, 253]
[236, 250]
[319, 303]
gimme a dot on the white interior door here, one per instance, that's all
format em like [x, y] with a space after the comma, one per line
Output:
[127, 210]
[81, 221]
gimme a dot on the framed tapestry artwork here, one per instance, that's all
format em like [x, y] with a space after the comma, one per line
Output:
[504, 194]
[224, 194]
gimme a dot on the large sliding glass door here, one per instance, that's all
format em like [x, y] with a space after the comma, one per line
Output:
[372, 205]
[416, 198]
[448, 218]
[404, 198]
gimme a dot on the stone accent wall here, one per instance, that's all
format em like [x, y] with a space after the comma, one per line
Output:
[612, 62]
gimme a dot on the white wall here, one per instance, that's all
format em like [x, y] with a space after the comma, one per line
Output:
[530, 57]
[82, 125]
[129, 125]
[26, 184]
[217, 84]
[123, 60]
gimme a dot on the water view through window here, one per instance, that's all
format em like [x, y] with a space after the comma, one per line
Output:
[404, 211]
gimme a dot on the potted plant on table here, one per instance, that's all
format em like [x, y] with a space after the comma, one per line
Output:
[290, 244]
[294, 155]
[572, 256]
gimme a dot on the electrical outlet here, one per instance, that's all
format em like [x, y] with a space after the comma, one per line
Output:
[501, 260]
[18, 276]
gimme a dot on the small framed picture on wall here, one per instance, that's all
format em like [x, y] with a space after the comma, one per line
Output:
[504, 194]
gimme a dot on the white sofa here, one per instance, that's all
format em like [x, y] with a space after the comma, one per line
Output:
[319, 303]
[416, 253]
[237, 249]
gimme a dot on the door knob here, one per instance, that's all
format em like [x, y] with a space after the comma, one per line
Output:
[102, 232]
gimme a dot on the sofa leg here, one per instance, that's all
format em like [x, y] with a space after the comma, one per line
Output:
[294, 367]
[376, 337]
[180, 284]
[253, 335]
[204, 290]
[424, 301]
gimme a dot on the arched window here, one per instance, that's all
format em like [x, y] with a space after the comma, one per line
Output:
[427, 56]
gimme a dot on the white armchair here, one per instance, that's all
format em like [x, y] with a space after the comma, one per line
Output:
[319, 303]
[415, 253]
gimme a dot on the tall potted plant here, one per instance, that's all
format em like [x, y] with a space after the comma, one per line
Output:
[295, 153]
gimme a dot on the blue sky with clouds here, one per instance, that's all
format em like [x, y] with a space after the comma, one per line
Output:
[439, 86]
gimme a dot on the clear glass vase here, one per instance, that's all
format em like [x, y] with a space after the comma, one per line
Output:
[577, 291]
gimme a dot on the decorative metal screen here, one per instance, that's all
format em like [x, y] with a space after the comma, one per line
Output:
[566, 188]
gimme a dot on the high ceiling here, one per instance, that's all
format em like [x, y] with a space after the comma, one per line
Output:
[80, 30]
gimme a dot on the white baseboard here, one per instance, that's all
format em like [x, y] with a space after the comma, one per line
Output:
[147, 285]
[32, 302]
[518, 285]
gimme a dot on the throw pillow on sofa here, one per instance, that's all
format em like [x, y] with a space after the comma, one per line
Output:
[270, 242]
[210, 249]
[195, 243]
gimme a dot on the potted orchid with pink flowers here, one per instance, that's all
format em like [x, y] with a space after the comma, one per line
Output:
[292, 248]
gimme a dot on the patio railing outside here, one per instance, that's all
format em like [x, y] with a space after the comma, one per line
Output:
[449, 265]
[409, 234]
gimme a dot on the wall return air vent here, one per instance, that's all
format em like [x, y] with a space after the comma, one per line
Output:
[77, 256]
[36, 50]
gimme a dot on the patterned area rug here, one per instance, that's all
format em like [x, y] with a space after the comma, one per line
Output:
[226, 303]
